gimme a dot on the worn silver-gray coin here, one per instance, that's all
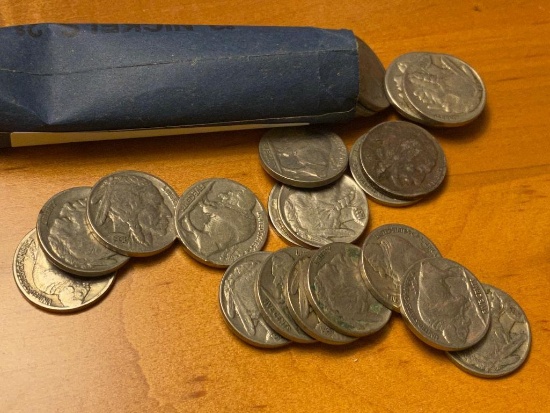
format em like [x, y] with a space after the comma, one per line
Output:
[302, 312]
[371, 79]
[444, 89]
[403, 159]
[270, 293]
[219, 220]
[336, 213]
[444, 304]
[364, 182]
[276, 219]
[67, 240]
[238, 304]
[388, 252]
[49, 287]
[338, 294]
[304, 157]
[393, 81]
[132, 213]
[506, 345]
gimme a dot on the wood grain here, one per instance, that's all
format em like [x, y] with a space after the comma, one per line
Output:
[157, 342]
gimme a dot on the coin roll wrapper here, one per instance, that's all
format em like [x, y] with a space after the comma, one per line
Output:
[67, 82]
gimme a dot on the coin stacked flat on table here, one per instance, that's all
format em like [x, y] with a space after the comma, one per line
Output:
[85, 234]
[434, 89]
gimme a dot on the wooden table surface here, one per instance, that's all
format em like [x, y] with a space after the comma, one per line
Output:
[157, 342]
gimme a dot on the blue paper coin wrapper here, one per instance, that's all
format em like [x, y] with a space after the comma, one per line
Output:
[71, 82]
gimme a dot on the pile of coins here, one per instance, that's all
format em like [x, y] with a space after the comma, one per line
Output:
[434, 89]
[85, 234]
[341, 292]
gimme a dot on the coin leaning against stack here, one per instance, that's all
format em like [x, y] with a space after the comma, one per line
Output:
[85, 234]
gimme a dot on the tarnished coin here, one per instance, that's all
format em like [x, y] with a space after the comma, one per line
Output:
[238, 304]
[396, 94]
[302, 312]
[388, 252]
[317, 217]
[219, 220]
[270, 293]
[338, 294]
[403, 159]
[66, 238]
[132, 213]
[275, 216]
[444, 89]
[304, 157]
[364, 182]
[371, 79]
[49, 287]
[444, 304]
[506, 345]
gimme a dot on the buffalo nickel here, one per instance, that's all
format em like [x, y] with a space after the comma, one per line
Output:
[387, 254]
[506, 345]
[275, 216]
[303, 157]
[365, 183]
[132, 213]
[302, 312]
[49, 287]
[317, 217]
[219, 220]
[403, 159]
[238, 304]
[338, 294]
[67, 240]
[443, 89]
[444, 304]
[270, 293]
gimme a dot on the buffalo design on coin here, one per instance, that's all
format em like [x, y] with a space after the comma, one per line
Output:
[444, 304]
[133, 213]
[335, 213]
[444, 89]
[403, 159]
[303, 157]
[219, 220]
[338, 294]
[50, 288]
[67, 240]
[238, 305]
[506, 345]
[388, 252]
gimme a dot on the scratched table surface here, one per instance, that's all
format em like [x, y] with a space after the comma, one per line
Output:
[157, 341]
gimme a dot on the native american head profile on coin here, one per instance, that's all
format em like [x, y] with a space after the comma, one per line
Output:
[351, 301]
[403, 160]
[240, 304]
[390, 257]
[132, 206]
[296, 155]
[220, 220]
[68, 291]
[69, 237]
[446, 302]
[444, 85]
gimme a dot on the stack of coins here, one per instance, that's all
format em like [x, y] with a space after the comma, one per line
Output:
[85, 234]
[314, 203]
[341, 292]
[397, 163]
[434, 89]
[299, 295]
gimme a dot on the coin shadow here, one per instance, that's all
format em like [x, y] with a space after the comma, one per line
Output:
[465, 134]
